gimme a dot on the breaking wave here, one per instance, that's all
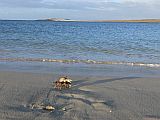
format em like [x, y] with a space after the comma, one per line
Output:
[81, 61]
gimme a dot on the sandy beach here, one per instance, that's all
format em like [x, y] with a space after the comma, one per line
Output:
[90, 98]
[79, 60]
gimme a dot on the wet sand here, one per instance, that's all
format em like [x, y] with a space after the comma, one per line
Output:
[90, 98]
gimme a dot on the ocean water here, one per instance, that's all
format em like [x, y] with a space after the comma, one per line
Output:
[81, 42]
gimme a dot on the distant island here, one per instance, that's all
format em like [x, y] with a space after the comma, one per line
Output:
[69, 20]
[56, 19]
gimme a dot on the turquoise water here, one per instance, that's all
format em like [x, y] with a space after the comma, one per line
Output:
[81, 42]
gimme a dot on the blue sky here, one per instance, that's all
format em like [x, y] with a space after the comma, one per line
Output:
[80, 9]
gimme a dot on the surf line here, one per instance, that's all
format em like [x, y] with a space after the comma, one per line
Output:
[80, 61]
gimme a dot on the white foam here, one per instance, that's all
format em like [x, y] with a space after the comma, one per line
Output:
[82, 61]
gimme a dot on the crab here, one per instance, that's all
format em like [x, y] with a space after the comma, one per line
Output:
[63, 83]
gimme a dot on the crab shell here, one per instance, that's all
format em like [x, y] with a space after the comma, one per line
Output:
[65, 79]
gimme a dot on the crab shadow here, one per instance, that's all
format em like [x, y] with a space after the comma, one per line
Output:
[75, 90]
[84, 83]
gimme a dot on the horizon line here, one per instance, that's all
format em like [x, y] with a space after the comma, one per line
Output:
[98, 20]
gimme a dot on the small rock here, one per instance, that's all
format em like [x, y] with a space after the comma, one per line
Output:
[49, 107]
[64, 109]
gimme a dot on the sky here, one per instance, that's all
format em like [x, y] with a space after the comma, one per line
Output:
[80, 9]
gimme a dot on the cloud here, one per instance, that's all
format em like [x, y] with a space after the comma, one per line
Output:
[61, 4]
[21, 3]
[82, 9]
[78, 4]
[141, 1]
[108, 5]
[148, 3]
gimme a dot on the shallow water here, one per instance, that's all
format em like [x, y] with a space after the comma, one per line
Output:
[81, 42]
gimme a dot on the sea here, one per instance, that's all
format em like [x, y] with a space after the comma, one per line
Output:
[105, 43]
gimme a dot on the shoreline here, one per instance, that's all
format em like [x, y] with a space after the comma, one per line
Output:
[81, 69]
[107, 21]
[76, 61]
[127, 21]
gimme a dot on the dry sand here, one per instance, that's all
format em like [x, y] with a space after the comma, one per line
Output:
[90, 98]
